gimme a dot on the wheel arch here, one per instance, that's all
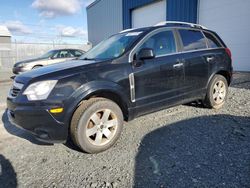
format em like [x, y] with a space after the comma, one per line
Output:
[224, 73]
[38, 65]
[113, 96]
[104, 89]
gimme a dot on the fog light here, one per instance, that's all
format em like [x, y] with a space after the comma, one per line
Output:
[56, 110]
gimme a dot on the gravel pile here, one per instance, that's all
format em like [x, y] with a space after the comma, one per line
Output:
[184, 146]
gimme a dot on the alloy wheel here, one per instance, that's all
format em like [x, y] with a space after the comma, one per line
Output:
[101, 127]
[219, 92]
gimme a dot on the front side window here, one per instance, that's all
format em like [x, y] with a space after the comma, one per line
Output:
[212, 41]
[162, 43]
[112, 47]
[192, 40]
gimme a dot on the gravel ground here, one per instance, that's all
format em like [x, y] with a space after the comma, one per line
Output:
[184, 146]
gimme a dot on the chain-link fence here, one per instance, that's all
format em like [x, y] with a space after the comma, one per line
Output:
[13, 52]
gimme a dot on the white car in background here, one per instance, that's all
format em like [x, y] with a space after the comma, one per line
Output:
[51, 57]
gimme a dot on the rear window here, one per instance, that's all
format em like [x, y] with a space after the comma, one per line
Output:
[192, 40]
[212, 41]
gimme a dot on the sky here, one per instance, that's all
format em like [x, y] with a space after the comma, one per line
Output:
[58, 21]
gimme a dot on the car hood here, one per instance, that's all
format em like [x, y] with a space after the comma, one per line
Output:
[29, 60]
[47, 70]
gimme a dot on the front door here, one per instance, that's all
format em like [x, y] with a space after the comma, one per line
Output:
[158, 80]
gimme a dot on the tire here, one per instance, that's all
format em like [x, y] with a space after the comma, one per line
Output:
[96, 125]
[216, 92]
[37, 66]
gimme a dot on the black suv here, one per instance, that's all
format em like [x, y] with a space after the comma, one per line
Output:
[130, 74]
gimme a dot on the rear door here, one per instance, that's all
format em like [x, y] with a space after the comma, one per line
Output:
[195, 55]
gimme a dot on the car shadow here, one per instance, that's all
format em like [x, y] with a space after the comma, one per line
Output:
[196, 104]
[7, 173]
[19, 132]
[207, 151]
[70, 144]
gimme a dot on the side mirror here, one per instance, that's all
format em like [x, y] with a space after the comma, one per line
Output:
[145, 53]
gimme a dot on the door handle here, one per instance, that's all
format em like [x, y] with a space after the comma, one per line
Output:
[209, 59]
[178, 65]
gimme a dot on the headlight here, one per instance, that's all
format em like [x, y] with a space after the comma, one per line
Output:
[39, 90]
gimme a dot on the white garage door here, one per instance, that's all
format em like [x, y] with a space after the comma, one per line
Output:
[231, 20]
[149, 15]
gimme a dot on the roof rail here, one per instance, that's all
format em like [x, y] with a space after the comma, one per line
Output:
[181, 23]
[126, 30]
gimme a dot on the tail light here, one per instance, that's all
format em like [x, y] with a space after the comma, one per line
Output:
[229, 52]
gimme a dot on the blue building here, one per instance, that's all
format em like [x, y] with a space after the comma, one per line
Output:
[229, 18]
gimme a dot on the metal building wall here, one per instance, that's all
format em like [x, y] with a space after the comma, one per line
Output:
[128, 6]
[177, 10]
[104, 19]
[5, 40]
[182, 10]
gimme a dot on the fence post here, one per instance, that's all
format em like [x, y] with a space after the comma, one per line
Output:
[1, 59]
[16, 53]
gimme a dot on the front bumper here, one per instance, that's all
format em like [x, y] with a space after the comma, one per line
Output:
[38, 121]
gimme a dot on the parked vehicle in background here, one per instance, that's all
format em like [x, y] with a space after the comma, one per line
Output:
[130, 74]
[51, 57]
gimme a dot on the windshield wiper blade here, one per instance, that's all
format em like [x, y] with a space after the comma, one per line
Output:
[88, 58]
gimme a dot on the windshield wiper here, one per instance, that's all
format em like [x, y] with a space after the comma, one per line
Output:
[88, 58]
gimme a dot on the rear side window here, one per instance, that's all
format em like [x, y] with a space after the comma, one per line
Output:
[162, 43]
[63, 54]
[192, 40]
[212, 41]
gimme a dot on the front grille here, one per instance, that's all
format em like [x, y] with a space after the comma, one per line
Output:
[15, 90]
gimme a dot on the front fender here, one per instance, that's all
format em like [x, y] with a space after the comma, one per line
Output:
[90, 88]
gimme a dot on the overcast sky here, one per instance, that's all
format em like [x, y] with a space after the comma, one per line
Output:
[46, 20]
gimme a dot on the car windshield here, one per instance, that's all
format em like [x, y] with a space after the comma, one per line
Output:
[49, 54]
[112, 47]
